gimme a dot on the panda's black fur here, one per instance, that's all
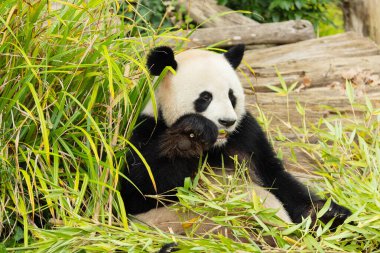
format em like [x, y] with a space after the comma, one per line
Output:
[173, 152]
[170, 163]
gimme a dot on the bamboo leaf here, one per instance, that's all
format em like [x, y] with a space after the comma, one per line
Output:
[44, 129]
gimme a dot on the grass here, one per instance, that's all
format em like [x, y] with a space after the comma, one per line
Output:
[71, 86]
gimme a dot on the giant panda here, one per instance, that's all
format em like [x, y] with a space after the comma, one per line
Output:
[201, 111]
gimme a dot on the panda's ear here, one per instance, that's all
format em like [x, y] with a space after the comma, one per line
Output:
[235, 54]
[159, 58]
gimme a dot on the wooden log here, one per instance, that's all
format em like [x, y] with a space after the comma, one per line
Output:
[320, 62]
[312, 72]
[342, 45]
[318, 103]
[209, 14]
[314, 99]
[271, 33]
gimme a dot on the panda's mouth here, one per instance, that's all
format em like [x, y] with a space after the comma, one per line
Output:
[223, 134]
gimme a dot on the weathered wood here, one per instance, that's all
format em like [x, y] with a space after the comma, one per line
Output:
[318, 103]
[320, 61]
[332, 96]
[271, 33]
[354, 13]
[363, 17]
[259, 46]
[317, 72]
[209, 14]
[374, 19]
[342, 45]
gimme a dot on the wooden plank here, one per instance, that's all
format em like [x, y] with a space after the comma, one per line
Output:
[319, 62]
[317, 102]
[342, 45]
[312, 72]
[209, 14]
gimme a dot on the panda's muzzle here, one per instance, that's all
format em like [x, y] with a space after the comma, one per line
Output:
[227, 122]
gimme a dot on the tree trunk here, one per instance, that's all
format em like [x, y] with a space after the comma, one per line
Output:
[374, 19]
[363, 17]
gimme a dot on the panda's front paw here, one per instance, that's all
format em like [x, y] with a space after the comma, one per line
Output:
[335, 211]
[340, 213]
[170, 247]
[188, 137]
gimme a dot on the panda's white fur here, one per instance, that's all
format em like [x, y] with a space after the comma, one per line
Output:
[175, 96]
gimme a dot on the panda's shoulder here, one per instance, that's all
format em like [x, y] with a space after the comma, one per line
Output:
[248, 130]
[147, 126]
[248, 122]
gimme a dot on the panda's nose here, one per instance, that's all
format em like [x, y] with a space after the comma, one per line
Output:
[227, 122]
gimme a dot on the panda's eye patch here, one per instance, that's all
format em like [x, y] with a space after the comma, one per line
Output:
[232, 97]
[203, 101]
[206, 96]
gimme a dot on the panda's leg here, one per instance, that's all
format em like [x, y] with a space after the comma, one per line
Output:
[171, 221]
[270, 201]
[297, 199]
[267, 198]
[163, 218]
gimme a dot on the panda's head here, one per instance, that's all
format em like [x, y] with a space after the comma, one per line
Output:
[205, 82]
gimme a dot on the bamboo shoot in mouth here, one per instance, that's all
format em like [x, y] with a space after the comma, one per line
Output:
[222, 134]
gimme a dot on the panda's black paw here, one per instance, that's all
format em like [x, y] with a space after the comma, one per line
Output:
[335, 211]
[188, 137]
[340, 213]
[167, 248]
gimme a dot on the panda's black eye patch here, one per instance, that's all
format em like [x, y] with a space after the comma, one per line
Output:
[232, 97]
[203, 101]
[206, 96]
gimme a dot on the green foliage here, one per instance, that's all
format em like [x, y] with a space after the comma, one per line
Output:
[71, 89]
[157, 14]
[280, 10]
[325, 15]
[335, 25]
[284, 90]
